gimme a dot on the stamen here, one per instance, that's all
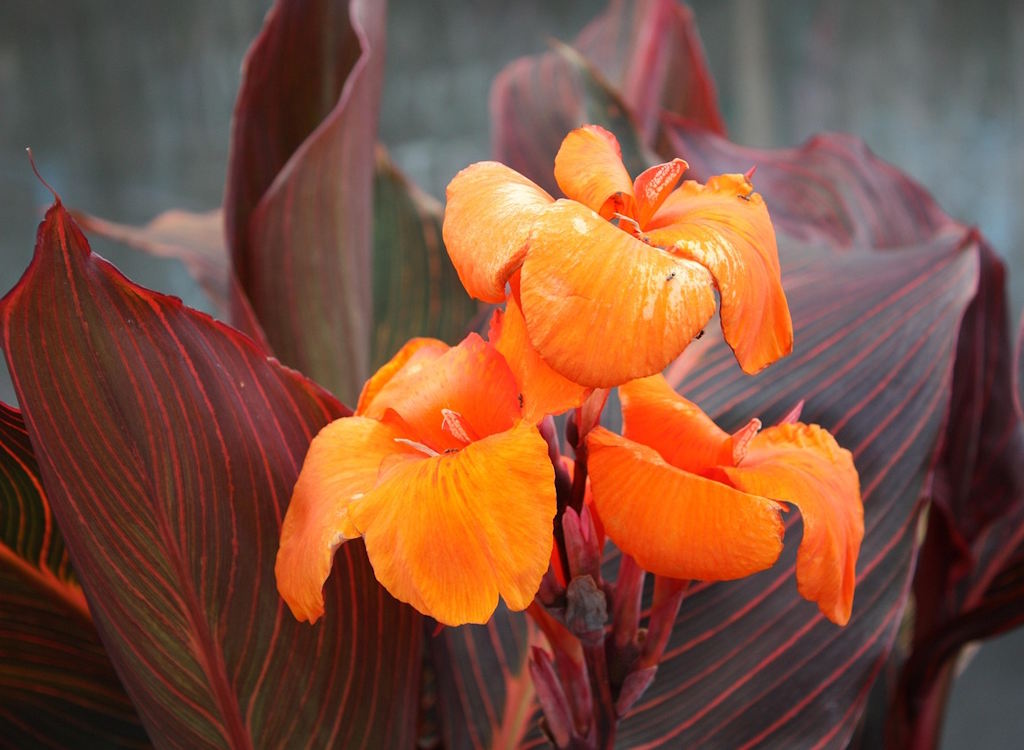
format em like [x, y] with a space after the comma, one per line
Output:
[455, 425]
[425, 449]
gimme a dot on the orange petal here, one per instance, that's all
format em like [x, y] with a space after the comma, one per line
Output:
[678, 524]
[414, 355]
[471, 379]
[589, 169]
[802, 464]
[654, 185]
[449, 534]
[544, 391]
[655, 415]
[340, 467]
[725, 227]
[602, 307]
[486, 222]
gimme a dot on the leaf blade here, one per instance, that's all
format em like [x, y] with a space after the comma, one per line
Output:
[57, 686]
[183, 461]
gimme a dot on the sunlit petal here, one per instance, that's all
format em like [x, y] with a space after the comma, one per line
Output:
[675, 523]
[803, 464]
[725, 227]
[471, 379]
[544, 391]
[340, 468]
[450, 534]
[487, 219]
[589, 169]
[602, 307]
[655, 415]
[411, 357]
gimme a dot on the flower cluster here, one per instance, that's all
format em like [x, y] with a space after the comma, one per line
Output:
[446, 471]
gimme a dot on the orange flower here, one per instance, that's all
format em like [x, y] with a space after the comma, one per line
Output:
[543, 390]
[687, 500]
[616, 281]
[450, 489]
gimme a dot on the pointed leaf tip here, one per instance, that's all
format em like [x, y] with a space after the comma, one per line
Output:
[35, 169]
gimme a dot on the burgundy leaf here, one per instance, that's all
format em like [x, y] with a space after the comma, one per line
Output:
[57, 686]
[535, 101]
[485, 693]
[168, 445]
[416, 290]
[832, 188]
[197, 240]
[751, 662]
[651, 52]
[299, 197]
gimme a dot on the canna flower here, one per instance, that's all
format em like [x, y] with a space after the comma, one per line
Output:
[451, 490]
[687, 500]
[616, 281]
[543, 390]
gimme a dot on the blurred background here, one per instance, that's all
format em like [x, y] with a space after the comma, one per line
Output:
[127, 107]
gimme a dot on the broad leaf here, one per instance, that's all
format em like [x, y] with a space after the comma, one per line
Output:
[197, 240]
[650, 51]
[300, 185]
[976, 485]
[416, 291]
[57, 686]
[535, 101]
[880, 282]
[168, 445]
[485, 693]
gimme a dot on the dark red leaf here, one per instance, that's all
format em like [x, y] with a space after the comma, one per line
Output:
[875, 341]
[823, 190]
[197, 240]
[486, 696]
[535, 101]
[168, 445]
[416, 290]
[650, 51]
[299, 197]
[57, 686]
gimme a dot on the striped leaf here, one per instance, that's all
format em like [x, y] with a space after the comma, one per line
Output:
[484, 690]
[57, 686]
[650, 51]
[299, 199]
[168, 445]
[895, 316]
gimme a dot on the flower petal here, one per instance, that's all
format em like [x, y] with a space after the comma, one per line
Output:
[675, 523]
[589, 169]
[414, 354]
[654, 185]
[341, 466]
[449, 534]
[725, 227]
[655, 415]
[471, 379]
[802, 464]
[543, 390]
[602, 307]
[486, 222]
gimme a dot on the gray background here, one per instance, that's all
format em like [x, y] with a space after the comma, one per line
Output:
[127, 107]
